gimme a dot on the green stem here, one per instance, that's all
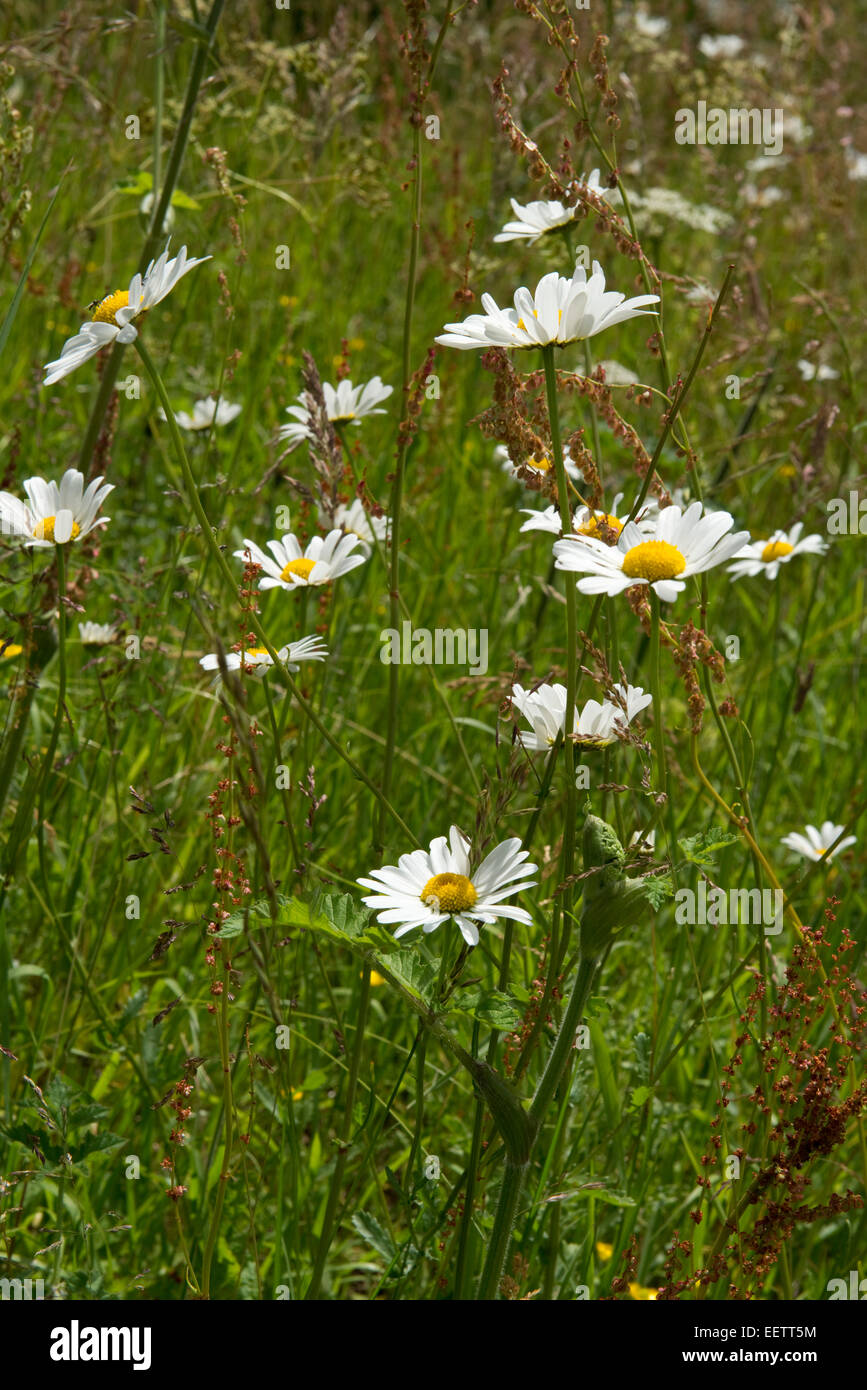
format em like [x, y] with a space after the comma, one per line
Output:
[228, 1133]
[328, 1224]
[228, 578]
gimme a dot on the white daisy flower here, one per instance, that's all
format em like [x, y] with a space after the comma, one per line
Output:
[533, 220]
[97, 634]
[816, 844]
[345, 404]
[765, 557]
[113, 316]
[596, 726]
[206, 413]
[357, 522]
[325, 559]
[257, 660]
[427, 887]
[810, 371]
[721, 45]
[588, 523]
[542, 463]
[57, 512]
[561, 311]
[681, 544]
[649, 26]
[856, 162]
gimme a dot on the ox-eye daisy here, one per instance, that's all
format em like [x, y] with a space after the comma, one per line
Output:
[540, 463]
[427, 887]
[534, 220]
[257, 660]
[585, 522]
[113, 316]
[561, 311]
[347, 404]
[326, 558]
[97, 634]
[206, 413]
[596, 726]
[681, 544]
[55, 512]
[816, 844]
[357, 522]
[765, 557]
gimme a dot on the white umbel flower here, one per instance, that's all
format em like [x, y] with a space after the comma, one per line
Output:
[427, 887]
[345, 404]
[113, 316]
[534, 220]
[765, 557]
[289, 567]
[721, 45]
[55, 513]
[681, 544]
[596, 726]
[816, 844]
[206, 413]
[97, 634]
[257, 660]
[561, 311]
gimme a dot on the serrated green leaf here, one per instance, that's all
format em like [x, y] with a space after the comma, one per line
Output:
[374, 1235]
[491, 1007]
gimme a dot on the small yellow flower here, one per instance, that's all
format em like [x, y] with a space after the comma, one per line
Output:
[645, 1295]
[296, 1095]
[376, 978]
[603, 1250]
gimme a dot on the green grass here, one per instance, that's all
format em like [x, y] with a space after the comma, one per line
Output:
[112, 840]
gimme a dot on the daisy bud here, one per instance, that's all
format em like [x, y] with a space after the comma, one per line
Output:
[611, 900]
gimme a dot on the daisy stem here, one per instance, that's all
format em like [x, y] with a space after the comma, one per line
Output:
[515, 1172]
[659, 731]
[571, 622]
[335, 1192]
[228, 578]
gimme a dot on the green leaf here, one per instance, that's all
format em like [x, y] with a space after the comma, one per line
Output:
[375, 1235]
[491, 1007]
[640, 1096]
[659, 888]
[698, 849]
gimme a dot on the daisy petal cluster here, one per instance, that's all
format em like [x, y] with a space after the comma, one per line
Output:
[291, 567]
[206, 413]
[681, 544]
[257, 660]
[765, 557]
[542, 464]
[113, 316]
[355, 521]
[97, 634]
[596, 726]
[534, 220]
[561, 311]
[54, 513]
[427, 887]
[816, 844]
[591, 523]
[344, 403]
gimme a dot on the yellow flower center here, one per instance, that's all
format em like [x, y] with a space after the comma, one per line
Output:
[775, 550]
[300, 567]
[653, 560]
[540, 465]
[44, 530]
[108, 307]
[449, 893]
[593, 527]
[255, 654]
